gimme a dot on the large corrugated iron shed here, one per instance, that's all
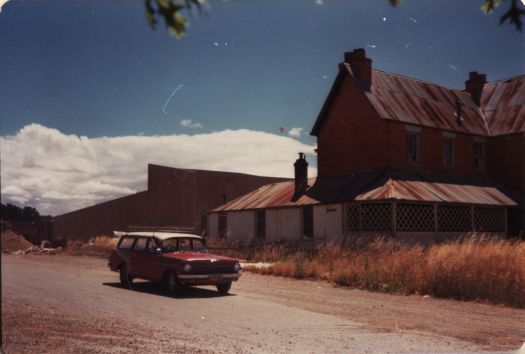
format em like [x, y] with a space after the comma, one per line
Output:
[376, 185]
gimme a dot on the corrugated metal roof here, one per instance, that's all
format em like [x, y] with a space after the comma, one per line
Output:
[408, 100]
[417, 102]
[503, 105]
[376, 185]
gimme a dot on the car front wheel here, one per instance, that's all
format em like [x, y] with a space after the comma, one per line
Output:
[171, 283]
[125, 278]
[223, 288]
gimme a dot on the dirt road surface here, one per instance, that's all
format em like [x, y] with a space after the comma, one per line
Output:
[63, 304]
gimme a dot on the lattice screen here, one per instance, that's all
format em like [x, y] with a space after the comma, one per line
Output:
[489, 219]
[415, 217]
[376, 217]
[352, 217]
[454, 218]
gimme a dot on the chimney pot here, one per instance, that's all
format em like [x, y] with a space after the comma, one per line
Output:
[301, 174]
[361, 67]
[474, 85]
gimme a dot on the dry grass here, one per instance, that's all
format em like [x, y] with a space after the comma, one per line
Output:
[99, 246]
[472, 269]
[260, 253]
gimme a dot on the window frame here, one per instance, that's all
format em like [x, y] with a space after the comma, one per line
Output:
[449, 162]
[479, 155]
[417, 141]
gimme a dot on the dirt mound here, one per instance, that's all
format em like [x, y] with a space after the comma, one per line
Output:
[12, 241]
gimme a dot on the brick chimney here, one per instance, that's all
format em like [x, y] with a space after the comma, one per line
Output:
[301, 174]
[474, 86]
[361, 67]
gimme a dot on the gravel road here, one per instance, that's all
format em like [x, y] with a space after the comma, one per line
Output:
[75, 305]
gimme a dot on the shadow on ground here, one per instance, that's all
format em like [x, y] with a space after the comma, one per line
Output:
[187, 292]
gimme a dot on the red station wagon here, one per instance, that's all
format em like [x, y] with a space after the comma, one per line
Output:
[172, 259]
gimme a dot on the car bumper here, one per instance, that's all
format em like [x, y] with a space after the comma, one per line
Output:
[204, 279]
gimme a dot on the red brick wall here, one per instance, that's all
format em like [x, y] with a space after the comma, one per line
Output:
[506, 160]
[353, 137]
[431, 151]
[506, 164]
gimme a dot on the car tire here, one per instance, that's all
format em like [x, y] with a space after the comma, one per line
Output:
[125, 278]
[223, 288]
[171, 283]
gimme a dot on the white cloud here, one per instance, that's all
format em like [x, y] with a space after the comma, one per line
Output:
[56, 173]
[319, 2]
[188, 123]
[452, 67]
[2, 3]
[295, 132]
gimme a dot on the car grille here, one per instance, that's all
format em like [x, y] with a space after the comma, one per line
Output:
[211, 268]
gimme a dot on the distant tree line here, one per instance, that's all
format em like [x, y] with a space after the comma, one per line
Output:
[13, 212]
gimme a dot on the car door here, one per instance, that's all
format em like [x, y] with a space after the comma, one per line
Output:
[138, 258]
[155, 264]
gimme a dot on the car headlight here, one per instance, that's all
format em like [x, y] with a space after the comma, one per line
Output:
[187, 268]
[237, 267]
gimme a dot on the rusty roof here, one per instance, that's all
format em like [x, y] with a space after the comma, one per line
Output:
[503, 104]
[408, 100]
[376, 185]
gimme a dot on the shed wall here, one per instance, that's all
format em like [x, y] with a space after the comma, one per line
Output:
[241, 225]
[328, 222]
[283, 224]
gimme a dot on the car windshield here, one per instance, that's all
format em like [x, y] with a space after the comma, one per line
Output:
[183, 244]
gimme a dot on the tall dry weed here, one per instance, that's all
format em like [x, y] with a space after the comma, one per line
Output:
[472, 269]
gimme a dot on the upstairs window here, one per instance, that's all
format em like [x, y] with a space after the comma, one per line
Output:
[479, 156]
[261, 223]
[412, 147]
[449, 150]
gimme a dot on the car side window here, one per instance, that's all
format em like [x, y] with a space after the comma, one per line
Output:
[152, 245]
[126, 243]
[140, 245]
[184, 245]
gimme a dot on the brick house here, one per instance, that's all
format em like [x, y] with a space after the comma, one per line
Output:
[402, 157]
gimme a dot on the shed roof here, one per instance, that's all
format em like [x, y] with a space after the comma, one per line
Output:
[376, 185]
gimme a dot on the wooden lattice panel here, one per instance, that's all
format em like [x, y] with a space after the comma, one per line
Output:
[489, 219]
[415, 217]
[352, 217]
[376, 217]
[454, 218]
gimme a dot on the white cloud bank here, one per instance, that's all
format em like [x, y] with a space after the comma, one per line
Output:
[56, 173]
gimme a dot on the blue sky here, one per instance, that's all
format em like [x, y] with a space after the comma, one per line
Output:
[96, 68]
[89, 93]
